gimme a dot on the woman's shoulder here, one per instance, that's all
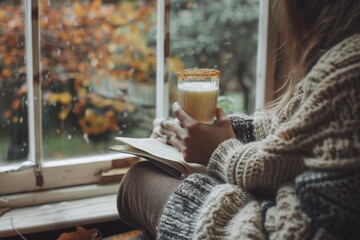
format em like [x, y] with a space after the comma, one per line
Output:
[344, 53]
[339, 65]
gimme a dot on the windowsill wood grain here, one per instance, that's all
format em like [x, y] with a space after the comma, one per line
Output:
[59, 215]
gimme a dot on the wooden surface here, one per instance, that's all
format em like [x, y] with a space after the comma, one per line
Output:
[58, 215]
[57, 195]
[63, 173]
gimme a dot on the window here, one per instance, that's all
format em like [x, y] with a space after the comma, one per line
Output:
[83, 65]
[13, 140]
[221, 35]
[88, 70]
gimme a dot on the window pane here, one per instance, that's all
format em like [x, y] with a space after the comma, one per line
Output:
[13, 89]
[98, 73]
[221, 35]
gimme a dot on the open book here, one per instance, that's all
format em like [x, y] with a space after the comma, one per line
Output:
[164, 156]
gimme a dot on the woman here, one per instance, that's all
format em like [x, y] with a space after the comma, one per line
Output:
[290, 172]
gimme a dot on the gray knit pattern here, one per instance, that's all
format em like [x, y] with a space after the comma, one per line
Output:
[177, 221]
[314, 139]
[243, 127]
[338, 195]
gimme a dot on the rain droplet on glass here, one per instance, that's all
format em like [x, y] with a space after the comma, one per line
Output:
[86, 138]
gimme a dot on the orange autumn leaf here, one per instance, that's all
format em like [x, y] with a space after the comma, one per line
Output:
[64, 113]
[110, 113]
[189, 5]
[94, 124]
[15, 119]
[7, 114]
[65, 98]
[7, 59]
[135, 234]
[100, 102]
[122, 106]
[79, 10]
[15, 104]
[7, 72]
[81, 234]
[95, 5]
[77, 39]
[118, 20]
[53, 97]
[175, 64]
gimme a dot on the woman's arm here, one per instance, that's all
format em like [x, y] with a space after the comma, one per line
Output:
[322, 134]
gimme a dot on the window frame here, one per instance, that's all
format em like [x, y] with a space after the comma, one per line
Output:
[44, 175]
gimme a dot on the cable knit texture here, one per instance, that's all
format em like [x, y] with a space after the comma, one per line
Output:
[307, 157]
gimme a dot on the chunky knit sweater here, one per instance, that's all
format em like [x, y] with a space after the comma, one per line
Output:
[291, 175]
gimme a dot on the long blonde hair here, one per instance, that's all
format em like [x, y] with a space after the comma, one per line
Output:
[309, 28]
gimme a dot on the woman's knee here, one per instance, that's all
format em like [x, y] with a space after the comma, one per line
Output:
[134, 173]
[127, 193]
[144, 185]
[132, 192]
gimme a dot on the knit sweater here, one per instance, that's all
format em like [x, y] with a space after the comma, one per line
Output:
[291, 175]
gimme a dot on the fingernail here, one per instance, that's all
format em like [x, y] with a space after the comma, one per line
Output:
[162, 123]
[176, 105]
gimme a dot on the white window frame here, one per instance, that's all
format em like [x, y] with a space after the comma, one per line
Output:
[85, 170]
[262, 53]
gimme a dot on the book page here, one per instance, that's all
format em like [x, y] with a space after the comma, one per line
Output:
[176, 169]
[154, 147]
[159, 152]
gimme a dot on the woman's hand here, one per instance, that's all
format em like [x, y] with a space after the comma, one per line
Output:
[159, 132]
[197, 141]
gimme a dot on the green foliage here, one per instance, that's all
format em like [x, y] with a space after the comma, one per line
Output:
[217, 34]
[218, 28]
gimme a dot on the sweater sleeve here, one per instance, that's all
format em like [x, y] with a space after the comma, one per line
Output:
[323, 133]
[250, 128]
[251, 166]
[243, 127]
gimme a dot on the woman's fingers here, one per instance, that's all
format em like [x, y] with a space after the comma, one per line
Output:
[159, 132]
[161, 139]
[175, 127]
[177, 143]
[156, 134]
[220, 114]
[158, 121]
[166, 131]
[156, 131]
[182, 116]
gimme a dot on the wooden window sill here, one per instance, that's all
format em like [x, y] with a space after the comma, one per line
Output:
[59, 215]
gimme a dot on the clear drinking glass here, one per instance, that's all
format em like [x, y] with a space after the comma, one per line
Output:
[198, 90]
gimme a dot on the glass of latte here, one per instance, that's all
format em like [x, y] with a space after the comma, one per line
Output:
[198, 90]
